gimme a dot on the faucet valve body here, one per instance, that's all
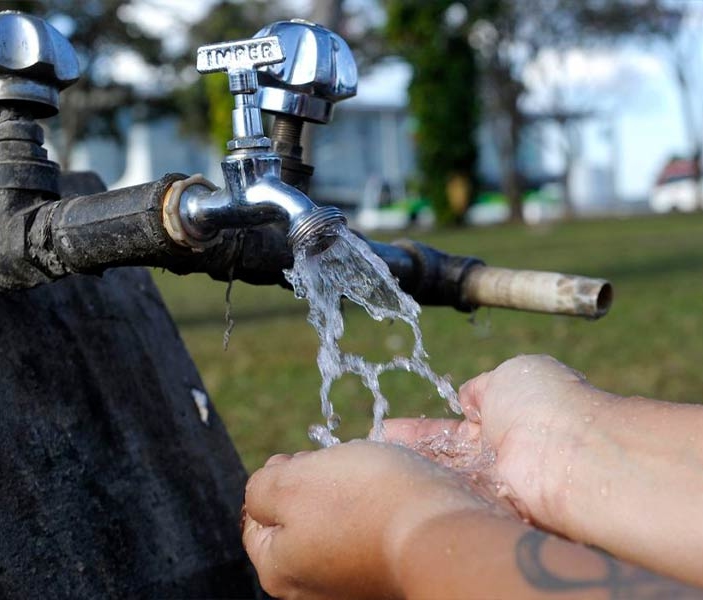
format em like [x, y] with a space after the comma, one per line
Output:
[240, 61]
[254, 193]
[319, 70]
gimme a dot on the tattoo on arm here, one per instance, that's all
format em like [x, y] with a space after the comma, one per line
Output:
[620, 580]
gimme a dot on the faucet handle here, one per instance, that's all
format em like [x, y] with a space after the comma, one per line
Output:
[36, 63]
[319, 70]
[240, 60]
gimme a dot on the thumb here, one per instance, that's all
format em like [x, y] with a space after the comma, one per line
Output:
[472, 394]
[259, 543]
[257, 539]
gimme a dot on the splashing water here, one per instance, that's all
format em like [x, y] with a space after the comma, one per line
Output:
[349, 268]
[463, 454]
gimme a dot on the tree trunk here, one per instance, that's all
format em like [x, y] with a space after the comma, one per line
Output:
[327, 13]
[569, 159]
[507, 138]
[512, 187]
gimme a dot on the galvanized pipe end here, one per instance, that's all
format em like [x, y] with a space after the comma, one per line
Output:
[313, 225]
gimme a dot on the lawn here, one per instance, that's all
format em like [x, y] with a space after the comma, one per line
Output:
[265, 386]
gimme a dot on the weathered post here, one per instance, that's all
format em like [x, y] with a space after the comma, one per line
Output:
[112, 482]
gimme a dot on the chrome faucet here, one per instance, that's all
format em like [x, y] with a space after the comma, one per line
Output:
[319, 70]
[196, 212]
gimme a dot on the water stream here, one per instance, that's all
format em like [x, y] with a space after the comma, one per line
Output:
[348, 268]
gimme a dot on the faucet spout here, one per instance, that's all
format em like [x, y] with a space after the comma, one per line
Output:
[265, 191]
[253, 195]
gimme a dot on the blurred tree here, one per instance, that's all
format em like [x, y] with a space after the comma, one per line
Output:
[683, 26]
[510, 35]
[449, 42]
[431, 36]
[327, 12]
[103, 32]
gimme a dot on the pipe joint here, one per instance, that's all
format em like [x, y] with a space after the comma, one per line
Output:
[195, 212]
[438, 277]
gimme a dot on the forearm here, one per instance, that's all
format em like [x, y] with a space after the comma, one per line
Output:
[634, 485]
[477, 555]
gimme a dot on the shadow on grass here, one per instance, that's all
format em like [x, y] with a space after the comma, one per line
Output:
[651, 268]
[245, 316]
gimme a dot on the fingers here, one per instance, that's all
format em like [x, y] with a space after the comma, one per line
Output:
[263, 490]
[259, 543]
[266, 490]
[277, 459]
[257, 538]
[471, 395]
[409, 431]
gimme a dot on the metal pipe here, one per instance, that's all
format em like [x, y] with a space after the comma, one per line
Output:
[466, 283]
[537, 291]
[91, 233]
[124, 227]
[253, 195]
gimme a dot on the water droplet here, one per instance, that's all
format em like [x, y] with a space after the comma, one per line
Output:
[201, 403]
[394, 343]
[588, 419]
[320, 435]
[604, 490]
[543, 429]
[569, 469]
[333, 421]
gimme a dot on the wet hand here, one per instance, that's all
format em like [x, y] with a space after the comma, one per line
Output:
[532, 412]
[332, 523]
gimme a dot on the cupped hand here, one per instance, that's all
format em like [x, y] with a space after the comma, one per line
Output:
[331, 523]
[530, 413]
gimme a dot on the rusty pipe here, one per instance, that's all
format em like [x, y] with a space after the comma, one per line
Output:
[466, 283]
[537, 291]
[87, 234]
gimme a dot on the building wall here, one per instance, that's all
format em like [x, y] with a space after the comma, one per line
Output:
[362, 148]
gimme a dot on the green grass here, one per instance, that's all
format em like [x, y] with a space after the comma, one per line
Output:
[266, 385]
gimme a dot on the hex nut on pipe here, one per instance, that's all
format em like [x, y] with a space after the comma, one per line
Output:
[172, 215]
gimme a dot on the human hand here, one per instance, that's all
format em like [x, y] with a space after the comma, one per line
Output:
[332, 523]
[533, 413]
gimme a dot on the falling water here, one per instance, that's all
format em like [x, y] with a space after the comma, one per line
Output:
[349, 268]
